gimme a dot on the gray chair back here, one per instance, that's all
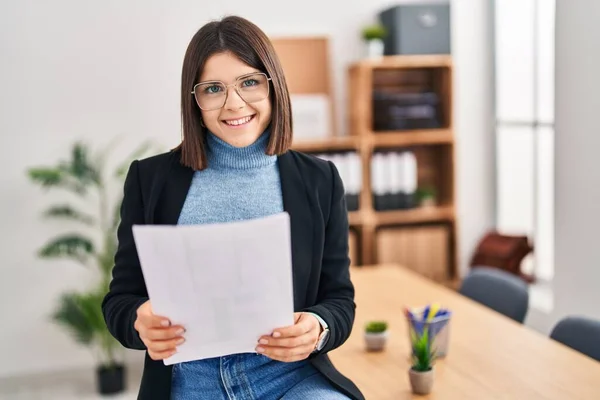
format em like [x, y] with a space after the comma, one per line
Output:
[579, 333]
[499, 290]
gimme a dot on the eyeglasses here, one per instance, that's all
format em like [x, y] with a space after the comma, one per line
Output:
[212, 95]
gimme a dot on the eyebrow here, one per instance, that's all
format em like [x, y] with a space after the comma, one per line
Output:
[241, 76]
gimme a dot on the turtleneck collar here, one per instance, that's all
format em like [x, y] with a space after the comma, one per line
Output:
[225, 156]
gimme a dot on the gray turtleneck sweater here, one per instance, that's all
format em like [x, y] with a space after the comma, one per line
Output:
[239, 184]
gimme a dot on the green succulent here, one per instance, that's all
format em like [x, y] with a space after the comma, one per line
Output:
[376, 327]
[426, 192]
[375, 31]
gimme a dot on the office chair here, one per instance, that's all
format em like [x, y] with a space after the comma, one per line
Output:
[579, 333]
[499, 290]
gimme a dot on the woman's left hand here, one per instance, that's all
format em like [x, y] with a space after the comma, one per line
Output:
[292, 343]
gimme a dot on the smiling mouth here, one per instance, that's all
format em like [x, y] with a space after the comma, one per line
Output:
[239, 121]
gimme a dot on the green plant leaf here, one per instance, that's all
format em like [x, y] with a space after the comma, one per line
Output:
[82, 315]
[54, 177]
[67, 212]
[76, 174]
[80, 166]
[69, 246]
[423, 356]
[46, 176]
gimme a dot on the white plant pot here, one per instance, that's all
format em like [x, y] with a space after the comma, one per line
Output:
[428, 202]
[376, 341]
[374, 48]
[421, 382]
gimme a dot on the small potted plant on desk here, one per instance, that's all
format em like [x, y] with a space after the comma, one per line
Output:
[376, 335]
[373, 36]
[421, 372]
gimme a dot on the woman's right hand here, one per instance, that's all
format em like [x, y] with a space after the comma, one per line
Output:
[161, 339]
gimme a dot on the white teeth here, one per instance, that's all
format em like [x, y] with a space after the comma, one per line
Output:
[238, 121]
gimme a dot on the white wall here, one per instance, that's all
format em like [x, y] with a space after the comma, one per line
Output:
[474, 122]
[577, 192]
[92, 70]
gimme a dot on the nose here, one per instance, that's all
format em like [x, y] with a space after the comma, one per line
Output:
[233, 100]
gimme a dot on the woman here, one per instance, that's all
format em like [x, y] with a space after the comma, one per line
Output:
[234, 163]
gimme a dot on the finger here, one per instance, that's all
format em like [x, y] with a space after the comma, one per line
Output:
[297, 316]
[302, 326]
[156, 333]
[163, 333]
[284, 353]
[153, 321]
[156, 356]
[165, 345]
[289, 342]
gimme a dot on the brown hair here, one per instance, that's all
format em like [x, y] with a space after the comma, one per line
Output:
[252, 46]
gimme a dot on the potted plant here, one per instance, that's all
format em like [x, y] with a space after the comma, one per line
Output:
[376, 334]
[92, 246]
[421, 373]
[373, 36]
[427, 196]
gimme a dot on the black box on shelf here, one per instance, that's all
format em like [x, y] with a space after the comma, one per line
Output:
[394, 201]
[405, 111]
[417, 28]
[352, 203]
[381, 202]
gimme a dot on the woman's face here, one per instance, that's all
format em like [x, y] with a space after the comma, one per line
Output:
[237, 122]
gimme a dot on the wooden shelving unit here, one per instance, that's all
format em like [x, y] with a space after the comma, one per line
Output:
[414, 216]
[393, 139]
[433, 148]
[341, 143]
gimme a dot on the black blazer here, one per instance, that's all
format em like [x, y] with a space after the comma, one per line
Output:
[313, 195]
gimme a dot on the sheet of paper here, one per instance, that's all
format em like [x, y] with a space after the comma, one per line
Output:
[227, 284]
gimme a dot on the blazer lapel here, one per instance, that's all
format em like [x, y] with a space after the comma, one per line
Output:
[296, 204]
[169, 189]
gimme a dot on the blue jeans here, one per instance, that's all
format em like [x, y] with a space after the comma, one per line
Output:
[250, 376]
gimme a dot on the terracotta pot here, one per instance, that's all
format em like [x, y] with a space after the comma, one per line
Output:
[376, 341]
[421, 382]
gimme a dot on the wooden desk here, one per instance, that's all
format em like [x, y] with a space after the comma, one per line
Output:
[489, 357]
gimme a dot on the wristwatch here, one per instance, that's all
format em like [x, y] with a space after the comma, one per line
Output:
[324, 336]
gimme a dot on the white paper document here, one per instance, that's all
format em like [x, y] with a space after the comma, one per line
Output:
[227, 284]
